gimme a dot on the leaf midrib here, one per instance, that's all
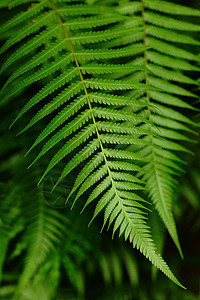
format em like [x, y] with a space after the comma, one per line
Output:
[154, 163]
[86, 93]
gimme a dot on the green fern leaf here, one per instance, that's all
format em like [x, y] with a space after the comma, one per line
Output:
[88, 129]
[170, 75]
[171, 59]
[171, 50]
[28, 30]
[44, 233]
[169, 87]
[3, 246]
[167, 22]
[23, 16]
[171, 8]
[167, 61]
[120, 210]
[170, 36]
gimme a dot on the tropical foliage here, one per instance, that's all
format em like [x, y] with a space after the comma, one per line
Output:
[104, 98]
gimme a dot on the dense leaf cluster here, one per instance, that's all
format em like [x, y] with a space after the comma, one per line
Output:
[109, 89]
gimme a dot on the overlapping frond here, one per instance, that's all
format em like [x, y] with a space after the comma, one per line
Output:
[165, 59]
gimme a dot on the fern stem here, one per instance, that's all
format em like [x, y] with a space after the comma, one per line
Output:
[145, 59]
[146, 82]
[86, 93]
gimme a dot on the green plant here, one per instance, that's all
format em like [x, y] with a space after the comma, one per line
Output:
[112, 86]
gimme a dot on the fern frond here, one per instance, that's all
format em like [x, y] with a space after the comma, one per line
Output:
[169, 87]
[4, 235]
[23, 16]
[171, 8]
[158, 233]
[72, 90]
[171, 75]
[8, 217]
[119, 209]
[165, 61]
[130, 8]
[170, 50]
[170, 36]
[89, 129]
[28, 30]
[15, 3]
[170, 23]
[44, 232]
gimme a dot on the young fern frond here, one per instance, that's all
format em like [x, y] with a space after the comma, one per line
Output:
[87, 122]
